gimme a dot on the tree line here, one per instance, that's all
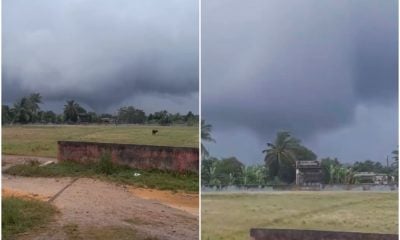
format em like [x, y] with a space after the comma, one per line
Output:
[27, 110]
[279, 165]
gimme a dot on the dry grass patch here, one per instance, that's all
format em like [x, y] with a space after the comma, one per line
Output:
[41, 140]
[230, 216]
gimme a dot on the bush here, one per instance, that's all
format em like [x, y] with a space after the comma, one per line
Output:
[105, 165]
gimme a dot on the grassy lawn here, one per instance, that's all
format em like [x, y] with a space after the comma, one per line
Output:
[148, 179]
[21, 215]
[41, 140]
[230, 216]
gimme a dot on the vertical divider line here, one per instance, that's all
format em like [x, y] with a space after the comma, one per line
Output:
[199, 25]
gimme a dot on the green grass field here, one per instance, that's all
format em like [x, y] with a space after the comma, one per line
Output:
[20, 215]
[41, 140]
[230, 216]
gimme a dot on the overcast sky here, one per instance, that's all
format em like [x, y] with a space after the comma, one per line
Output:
[102, 53]
[325, 70]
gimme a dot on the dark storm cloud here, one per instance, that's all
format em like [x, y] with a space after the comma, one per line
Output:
[100, 52]
[302, 66]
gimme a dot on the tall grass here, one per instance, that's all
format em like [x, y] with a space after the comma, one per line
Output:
[20, 215]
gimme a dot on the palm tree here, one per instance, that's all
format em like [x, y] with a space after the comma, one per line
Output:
[206, 137]
[283, 150]
[33, 103]
[71, 111]
[21, 111]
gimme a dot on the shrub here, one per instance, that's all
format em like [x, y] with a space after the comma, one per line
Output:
[105, 165]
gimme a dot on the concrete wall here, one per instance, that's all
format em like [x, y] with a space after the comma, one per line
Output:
[179, 159]
[290, 234]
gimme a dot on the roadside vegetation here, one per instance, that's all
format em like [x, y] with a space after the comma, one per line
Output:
[20, 215]
[105, 170]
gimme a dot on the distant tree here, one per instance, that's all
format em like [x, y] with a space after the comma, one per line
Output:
[328, 166]
[49, 117]
[60, 118]
[92, 117]
[280, 153]
[33, 105]
[21, 111]
[369, 166]
[131, 115]
[71, 111]
[6, 114]
[205, 137]
[165, 120]
[254, 175]
[176, 118]
[191, 118]
[161, 117]
[229, 171]
[302, 153]
[208, 167]
[26, 109]
[106, 115]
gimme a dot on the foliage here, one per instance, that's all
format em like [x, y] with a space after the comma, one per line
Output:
[27, 110]
[163, 180]
[327, 165]
[281, 155]
[229, 171]
[105, 165]
[131, 115]
[208, 167]
[205, 137]
[369, 166]
[72, 111]
[255, 175]
[6, 114]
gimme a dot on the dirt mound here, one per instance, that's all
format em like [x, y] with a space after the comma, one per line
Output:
[14, 193]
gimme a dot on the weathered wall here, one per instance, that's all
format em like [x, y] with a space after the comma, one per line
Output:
[290, 234]
[180, 159]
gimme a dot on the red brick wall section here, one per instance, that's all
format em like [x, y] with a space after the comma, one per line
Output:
[290, 234]
[179, 159]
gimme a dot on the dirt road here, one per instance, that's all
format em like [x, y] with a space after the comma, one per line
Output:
[89, 206]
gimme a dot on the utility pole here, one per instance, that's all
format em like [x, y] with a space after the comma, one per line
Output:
[387, 168]
[387, 161]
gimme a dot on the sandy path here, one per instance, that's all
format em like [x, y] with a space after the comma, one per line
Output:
[183, 201]
[90, 203]
[11, 160]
